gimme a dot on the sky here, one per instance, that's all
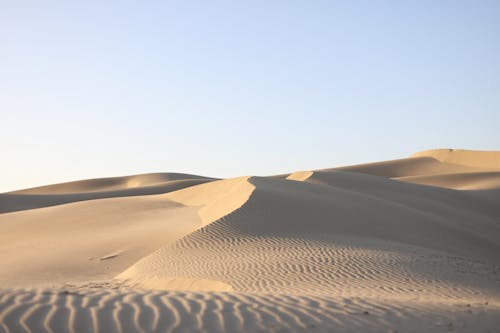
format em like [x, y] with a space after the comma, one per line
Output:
[228, 88]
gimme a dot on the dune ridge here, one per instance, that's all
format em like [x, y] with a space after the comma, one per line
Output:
[58, 194]
[110, 183]
[408, 245]
[255, 240]
[217, 199]
[472, 158]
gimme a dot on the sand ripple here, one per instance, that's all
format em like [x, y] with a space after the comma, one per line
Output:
[155, 311]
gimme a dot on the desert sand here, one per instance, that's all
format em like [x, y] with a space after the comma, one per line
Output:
[408, 245]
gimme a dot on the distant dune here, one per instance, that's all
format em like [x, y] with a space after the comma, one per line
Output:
[409, 245]
[52, 195]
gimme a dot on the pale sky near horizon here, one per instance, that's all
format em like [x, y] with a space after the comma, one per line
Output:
[227, 88]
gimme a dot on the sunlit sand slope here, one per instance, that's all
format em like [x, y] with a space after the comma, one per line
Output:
[97, 239]
[87, 240]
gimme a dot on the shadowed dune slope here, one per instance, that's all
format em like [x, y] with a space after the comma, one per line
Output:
[459, 181]
[311, 238]
[425, 198]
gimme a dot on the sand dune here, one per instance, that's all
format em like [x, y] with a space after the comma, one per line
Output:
[473, 158]
[110, 184]
[52, 195]
[287, 228]
[410, 245]
[413, 166]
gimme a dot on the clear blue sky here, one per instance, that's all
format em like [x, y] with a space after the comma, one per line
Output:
[228, 88]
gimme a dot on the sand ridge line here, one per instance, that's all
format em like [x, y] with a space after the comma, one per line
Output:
[111, 183]
[19, 201]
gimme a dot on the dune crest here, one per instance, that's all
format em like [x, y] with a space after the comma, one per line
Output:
[288, 228]
[215, 199]
[109, 184]
[300, 175]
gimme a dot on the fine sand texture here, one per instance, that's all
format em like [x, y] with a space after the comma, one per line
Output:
[409, 245]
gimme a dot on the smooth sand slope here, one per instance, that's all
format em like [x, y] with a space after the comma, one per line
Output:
[409, 245]
[51, 195]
